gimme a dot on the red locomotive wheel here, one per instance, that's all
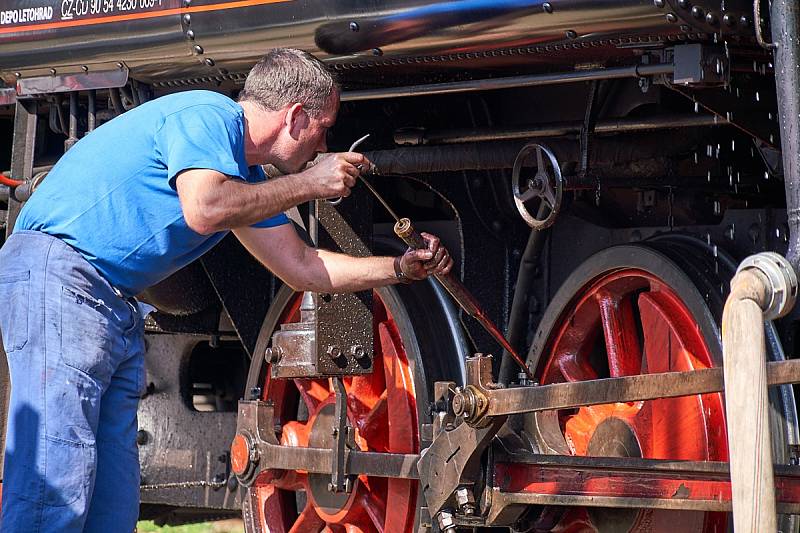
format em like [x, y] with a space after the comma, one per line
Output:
[636, 317]
[381, 406]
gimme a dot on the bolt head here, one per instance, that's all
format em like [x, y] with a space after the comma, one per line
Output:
[683, 4]
[190, 34]
[548, 7]
[52, 72]
[142, 437]
[334, 352]
[658, 3]
[672, 18]
[187, 19]
[357, 351]
[354, 26]
[198, 49]
[572, 34]
[729, 19]
[697, 12]
[711, 19]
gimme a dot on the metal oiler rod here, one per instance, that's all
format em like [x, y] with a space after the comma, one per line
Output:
[405, 230]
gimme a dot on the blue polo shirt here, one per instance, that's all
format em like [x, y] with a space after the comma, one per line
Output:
[112, 196]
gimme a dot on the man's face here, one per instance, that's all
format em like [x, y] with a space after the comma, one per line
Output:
[309, 137]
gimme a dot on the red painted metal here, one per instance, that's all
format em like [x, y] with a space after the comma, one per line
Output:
[629, 322]
[382, 407]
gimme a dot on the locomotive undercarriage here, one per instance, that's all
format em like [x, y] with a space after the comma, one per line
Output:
[664, 186]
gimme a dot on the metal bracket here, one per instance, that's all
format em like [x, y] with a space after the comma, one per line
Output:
[696, 64]
[340, 481]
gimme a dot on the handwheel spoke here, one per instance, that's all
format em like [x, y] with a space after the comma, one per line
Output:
[540, 169]
[529, 194]
[620, 332]
[308, 521]
[549, 197]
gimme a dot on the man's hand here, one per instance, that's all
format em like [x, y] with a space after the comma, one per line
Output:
[333, 175]
[419, 264]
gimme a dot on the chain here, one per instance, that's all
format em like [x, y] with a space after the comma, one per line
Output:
[184, 485]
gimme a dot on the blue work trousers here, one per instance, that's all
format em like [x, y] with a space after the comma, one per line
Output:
[75, 350]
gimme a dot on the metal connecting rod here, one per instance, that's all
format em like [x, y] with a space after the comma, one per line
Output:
[764, 287]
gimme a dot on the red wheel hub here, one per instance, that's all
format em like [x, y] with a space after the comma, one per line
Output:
[625, 323]
[300, 502]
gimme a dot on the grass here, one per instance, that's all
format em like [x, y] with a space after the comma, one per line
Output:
[224, 526]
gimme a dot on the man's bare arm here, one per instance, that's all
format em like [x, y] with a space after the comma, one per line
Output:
[212, 201]
[304, 268]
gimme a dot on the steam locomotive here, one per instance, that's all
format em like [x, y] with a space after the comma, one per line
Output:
[598, 169]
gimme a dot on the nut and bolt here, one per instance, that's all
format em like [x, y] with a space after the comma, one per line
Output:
[334, 352]
[273, 354]
[357, 351]
[465, 501]
[447, 522]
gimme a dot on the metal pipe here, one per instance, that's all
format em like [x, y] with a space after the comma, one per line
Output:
[533, 80]
[785, 17]
[116, 101]
[559, 129]
[518, 316]
[72, 138]
[91, 120]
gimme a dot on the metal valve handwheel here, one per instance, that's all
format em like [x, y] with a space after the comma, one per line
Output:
[537, 180]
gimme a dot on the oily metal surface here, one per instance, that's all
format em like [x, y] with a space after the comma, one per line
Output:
[626, 389]
[344, 321]
[171, 39]
[322, 437]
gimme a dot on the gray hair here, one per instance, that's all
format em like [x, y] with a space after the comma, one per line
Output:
[286, 76]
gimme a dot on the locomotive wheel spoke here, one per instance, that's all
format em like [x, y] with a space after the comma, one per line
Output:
[307, 521]
[620, 323]
[312, 391]
[620, 332]
[575, 368]
[375, 510]
[373, 423]
[291, 481]
[373, 400]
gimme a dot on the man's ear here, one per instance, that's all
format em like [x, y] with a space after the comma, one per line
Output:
[295, 118]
